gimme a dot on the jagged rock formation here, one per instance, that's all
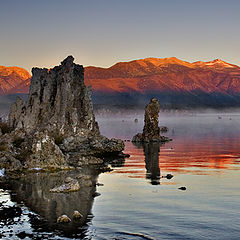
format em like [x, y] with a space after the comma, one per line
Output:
[58, 100]
[56, 128]
[151, 130]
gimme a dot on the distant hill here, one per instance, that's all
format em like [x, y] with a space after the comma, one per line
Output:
[176, 83]
[14, 80]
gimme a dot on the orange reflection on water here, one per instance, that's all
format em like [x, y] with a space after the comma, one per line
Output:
[201, 156]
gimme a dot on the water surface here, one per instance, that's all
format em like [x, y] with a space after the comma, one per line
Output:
[137, 201]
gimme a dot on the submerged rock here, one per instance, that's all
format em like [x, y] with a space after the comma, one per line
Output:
[71, 185]
[77, 215]
[56, 125]
[151, 130]
[63, 219]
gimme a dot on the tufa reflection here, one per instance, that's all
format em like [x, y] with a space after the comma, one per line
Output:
[151, 152]
[34, 190]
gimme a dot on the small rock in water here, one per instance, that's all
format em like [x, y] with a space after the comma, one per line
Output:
[168, 176]
[182, 188]
[136, 120]
[77, 215]
[63, 219]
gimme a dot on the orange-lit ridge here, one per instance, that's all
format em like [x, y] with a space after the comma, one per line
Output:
[146, 75]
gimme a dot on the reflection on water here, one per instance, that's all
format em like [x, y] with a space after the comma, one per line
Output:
[34, 191]
[201, 145]
[151, 154]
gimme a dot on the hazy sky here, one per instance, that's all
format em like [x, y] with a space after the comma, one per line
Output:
[103, 32]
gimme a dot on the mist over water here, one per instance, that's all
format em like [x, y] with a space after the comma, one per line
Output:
[184, 123]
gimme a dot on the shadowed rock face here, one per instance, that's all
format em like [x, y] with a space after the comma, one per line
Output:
[56, 127]
[151, 130]
[58, 101]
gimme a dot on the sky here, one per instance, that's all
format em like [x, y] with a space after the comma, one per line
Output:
[104, 32]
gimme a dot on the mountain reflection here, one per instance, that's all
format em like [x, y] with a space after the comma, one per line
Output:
[33, 191]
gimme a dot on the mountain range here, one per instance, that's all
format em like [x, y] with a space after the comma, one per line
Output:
[176, 83]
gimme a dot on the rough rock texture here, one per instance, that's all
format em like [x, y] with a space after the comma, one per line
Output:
[151, 130]
[58, 100]
[56, 127]
[15, 113]
[46, 154]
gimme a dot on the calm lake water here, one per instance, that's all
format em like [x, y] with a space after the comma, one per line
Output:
[136, 201]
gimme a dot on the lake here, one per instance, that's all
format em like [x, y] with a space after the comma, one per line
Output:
[136, 200]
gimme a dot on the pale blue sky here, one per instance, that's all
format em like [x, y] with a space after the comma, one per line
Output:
[103, 32]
